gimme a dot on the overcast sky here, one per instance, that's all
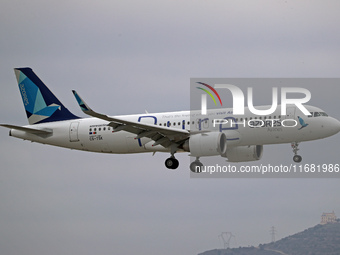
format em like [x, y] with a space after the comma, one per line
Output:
[125, 57]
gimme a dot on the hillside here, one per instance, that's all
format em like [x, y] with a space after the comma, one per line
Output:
[321, 239]
[318, 240]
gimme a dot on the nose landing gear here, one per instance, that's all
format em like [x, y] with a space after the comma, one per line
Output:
[297, 158]
[171, 163]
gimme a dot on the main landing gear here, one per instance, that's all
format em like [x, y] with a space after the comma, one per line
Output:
[297, 158]
[196, 166]
[171, 163]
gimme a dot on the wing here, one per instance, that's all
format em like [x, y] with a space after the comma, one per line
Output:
[164, 136]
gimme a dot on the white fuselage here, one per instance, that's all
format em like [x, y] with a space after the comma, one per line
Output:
[92, 134]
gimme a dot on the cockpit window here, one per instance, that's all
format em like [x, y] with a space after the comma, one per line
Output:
[317, 114]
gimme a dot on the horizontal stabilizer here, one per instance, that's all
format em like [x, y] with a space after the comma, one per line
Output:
[35, 131]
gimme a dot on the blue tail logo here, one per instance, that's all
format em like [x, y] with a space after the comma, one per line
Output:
[40, 103]
[302, 123]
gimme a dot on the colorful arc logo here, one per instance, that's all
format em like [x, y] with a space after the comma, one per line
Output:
[209, 93]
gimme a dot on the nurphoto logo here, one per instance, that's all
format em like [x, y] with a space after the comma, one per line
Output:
[238, 99]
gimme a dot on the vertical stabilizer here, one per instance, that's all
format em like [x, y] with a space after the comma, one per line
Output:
[40, 103]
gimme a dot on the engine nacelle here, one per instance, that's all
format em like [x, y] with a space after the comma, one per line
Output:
[207, 144]
[244, 153]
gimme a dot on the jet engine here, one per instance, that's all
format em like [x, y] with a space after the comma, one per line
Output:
[206, 144]
[244, 153]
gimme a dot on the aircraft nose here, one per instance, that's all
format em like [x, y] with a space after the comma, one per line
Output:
[335, 125]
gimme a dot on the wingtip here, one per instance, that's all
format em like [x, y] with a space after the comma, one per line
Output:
[83, 106]
[75, 93]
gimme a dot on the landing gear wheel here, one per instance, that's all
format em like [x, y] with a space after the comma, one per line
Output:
[171, 163]
[196, 166]
[297, 158]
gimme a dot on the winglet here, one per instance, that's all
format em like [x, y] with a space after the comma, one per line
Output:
[83, 106]
[87, 110]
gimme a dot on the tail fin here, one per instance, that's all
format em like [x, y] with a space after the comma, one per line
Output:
[40, 103]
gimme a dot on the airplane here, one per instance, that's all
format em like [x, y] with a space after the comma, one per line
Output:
[50, 122]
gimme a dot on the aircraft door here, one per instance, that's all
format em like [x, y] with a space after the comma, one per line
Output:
[290, 112]
[74, 131]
